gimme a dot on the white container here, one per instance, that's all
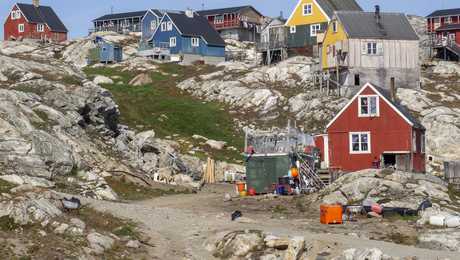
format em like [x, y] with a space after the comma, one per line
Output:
[453, 221]
[439, 221]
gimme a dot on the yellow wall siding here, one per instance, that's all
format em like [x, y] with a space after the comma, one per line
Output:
[297, 18]
[330, 39]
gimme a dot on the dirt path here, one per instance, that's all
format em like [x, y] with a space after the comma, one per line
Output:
[181, 226]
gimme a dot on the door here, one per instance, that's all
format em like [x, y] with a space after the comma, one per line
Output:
[326, 152]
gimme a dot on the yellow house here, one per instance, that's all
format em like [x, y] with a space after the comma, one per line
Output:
[311, 17]
[376, 47]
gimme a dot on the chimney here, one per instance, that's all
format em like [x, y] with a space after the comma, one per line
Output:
[377, 14]
[393, 89]
[36, 3]
[189, 13]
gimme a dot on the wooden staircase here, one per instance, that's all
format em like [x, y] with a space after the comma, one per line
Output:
[309, 178]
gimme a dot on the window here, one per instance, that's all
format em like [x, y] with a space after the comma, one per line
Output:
[368, 106]
[307, 9]
[334, 26]
[219, 19]
[372, 48]
[195, 42]
[15, 15]
[172, 42]
[163, 27]
[414, 141]
[357, 80]
[21, 27]
[40, 27]
[314, 29]
[360, 142]
[293, 29]
[169, 26]
[153, 25]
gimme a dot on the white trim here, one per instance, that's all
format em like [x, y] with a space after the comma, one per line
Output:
[380, 95]
[377, 106]
[23, 27]
[196, 40]
[293, 29]
[171, 40]
[316, 31]
[166, 14]
[42, 27]
[297, 6]
[311, 9]
[152, 12]
[9, 15]
[350, 144]
[396, 152]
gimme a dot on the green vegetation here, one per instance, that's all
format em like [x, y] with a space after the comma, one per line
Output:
[7, 224]
[102, 221]
[131, 191]
[167, 110]
[5, 186]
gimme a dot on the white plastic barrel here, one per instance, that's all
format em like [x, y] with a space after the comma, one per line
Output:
[437, 221]
[453, 221]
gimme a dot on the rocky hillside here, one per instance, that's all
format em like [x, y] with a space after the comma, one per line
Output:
[56, 123]
[267, 96]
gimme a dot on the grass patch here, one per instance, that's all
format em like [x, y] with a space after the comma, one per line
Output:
[402, 239]
[167, 110]
[279, 209]
[130, 191]
[105, 222]
[5, 186]
[7, 224]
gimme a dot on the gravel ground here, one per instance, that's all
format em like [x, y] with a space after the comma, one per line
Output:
[181, 226]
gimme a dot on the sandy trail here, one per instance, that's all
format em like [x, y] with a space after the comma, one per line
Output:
[181, 226]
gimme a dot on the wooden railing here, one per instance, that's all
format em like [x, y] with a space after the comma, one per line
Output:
[227, 24]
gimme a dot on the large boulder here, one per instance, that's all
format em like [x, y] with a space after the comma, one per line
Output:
[102, 80]
[100, 243]
[239, 244]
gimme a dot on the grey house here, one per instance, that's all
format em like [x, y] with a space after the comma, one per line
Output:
[120, 22]
[381, 48]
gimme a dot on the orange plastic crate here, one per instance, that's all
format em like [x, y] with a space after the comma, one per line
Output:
[331, 214]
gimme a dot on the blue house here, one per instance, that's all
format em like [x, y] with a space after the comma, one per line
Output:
[188, 38]
[150, 22]
[105, 52]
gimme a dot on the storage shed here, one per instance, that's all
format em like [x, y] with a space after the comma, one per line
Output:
[105, 52]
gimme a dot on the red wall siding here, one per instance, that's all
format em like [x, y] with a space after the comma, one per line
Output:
[30, 30]
[319, 143]
[389, 132]
[457, 37]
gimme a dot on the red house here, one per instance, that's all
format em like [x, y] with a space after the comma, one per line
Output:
[444, 27]
[440, 18]
[242, 23]
[371, 131]
[33, 21]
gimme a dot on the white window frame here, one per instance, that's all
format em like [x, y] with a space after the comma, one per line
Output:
[172, 42]
[195, 41]
[314, 28]
[369, 114]
[40, 27]
[372, 48]
[21, 27]
[153, 25]
[310, 9]
[360, 134]
[293, 29]
[334, 26]
[15, 15]
[164, 27]
[169, 25]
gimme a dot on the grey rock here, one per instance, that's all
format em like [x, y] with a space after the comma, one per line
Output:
[100, 243]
